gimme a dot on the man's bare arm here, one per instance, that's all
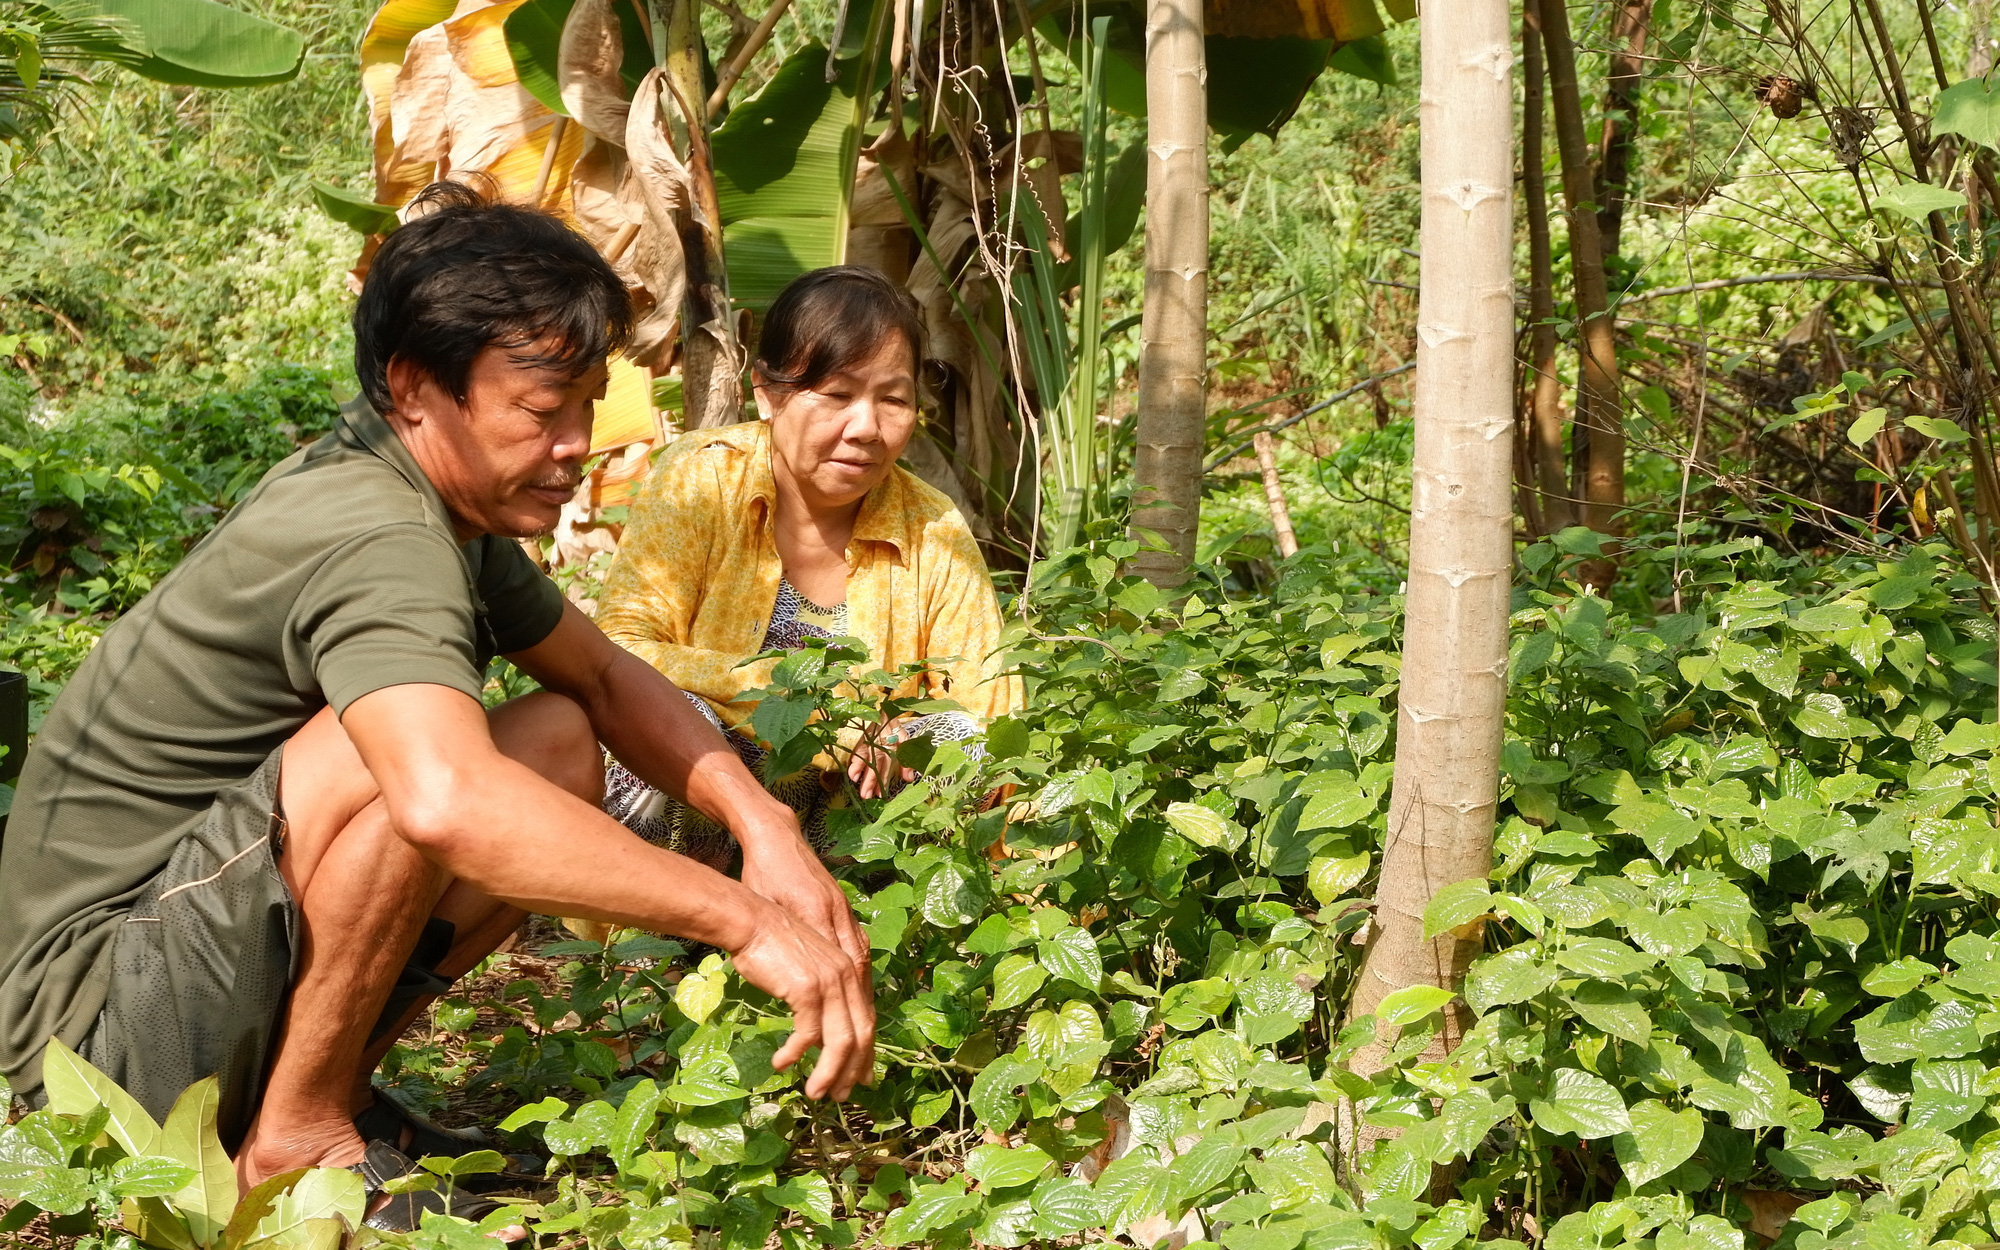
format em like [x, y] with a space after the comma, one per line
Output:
[506, 831]
[653, 730]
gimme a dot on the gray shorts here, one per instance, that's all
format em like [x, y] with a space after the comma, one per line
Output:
[201, 966]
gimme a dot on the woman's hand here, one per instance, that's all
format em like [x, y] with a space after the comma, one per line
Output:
[874, 758]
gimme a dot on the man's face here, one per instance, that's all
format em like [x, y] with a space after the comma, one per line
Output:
[511, 455]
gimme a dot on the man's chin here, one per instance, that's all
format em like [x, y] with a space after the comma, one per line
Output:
[529, 523]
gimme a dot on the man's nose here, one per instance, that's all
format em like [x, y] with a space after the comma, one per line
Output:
[573, 440]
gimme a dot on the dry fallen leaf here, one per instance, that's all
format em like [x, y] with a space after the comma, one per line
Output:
[1770, 1211]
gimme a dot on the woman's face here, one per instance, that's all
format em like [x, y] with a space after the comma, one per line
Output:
[837, 441]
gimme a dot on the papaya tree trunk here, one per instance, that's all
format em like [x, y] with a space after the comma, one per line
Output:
[1600, 406]
[1448, 733]
[1544, 424]
[1173, 359]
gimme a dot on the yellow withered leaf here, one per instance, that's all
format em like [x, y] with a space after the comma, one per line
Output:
[479, 45]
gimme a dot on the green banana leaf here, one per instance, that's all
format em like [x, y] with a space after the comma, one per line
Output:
[534, 38]
[199, 43]
[355, 211]
[1254, 85]
[784, 165]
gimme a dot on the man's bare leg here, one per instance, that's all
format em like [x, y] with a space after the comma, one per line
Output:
[363, 894]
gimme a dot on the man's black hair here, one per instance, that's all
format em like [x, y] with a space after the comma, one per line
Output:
[466, 273]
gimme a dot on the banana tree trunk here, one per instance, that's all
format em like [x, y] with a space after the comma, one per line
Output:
[1173, 360]
[1448, 734]
[711, 357]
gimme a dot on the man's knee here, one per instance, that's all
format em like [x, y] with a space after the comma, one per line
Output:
[551, 734]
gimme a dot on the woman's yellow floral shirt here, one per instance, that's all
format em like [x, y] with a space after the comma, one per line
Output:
[696, 577]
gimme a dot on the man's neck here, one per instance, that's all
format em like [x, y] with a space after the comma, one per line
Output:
[428, 462]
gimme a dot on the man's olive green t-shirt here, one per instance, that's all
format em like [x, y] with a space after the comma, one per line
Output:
[339, 575]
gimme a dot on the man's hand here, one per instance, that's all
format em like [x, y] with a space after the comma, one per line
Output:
[832, 1005]
[778, 864]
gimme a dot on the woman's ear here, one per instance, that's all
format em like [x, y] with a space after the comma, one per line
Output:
[762, 393]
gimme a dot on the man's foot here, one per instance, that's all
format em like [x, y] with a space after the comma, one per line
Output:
[265, 1153]
[386, 1119]
[404, 1213]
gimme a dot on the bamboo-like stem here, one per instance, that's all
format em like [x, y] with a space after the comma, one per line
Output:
[556, 129]
[1274, 494]
[726, 78]
[1173, 357]
[1545, 432]
[1600, 405]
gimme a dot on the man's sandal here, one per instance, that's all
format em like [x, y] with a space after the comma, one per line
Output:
[412, 1134]
[404, 1213]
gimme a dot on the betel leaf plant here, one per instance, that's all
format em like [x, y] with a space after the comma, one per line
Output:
[106, 1171]
[1740, 926]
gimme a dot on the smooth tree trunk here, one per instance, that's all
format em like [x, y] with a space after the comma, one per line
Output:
[1600, 406]
[1631, 25]
[1448, 733]
[1173, 358]
[1545, 419]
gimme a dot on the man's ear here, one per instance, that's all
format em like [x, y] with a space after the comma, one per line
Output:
[411, 390]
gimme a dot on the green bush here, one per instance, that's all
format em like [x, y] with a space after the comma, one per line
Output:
[93, 515]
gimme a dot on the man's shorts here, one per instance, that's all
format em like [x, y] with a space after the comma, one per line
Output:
[201, 966]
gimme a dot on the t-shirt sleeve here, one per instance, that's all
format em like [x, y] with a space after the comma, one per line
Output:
[391, 608]
[522, 604]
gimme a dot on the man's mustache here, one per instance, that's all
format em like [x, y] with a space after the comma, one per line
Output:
[561, 481]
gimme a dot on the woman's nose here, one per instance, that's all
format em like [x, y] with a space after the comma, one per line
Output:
[864, 422]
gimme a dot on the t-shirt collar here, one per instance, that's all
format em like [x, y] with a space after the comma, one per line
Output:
[364, 425]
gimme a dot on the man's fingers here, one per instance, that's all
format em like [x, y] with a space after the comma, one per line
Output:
[861, 1011]
[806, 1023]
[834, 1075]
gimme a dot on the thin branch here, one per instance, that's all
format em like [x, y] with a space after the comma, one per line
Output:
[1811, 275]
[741, 61]
[1223, 458]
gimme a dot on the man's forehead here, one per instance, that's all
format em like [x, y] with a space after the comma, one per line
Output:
[533, 365]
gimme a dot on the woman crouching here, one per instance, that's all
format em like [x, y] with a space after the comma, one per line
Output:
[755, 537]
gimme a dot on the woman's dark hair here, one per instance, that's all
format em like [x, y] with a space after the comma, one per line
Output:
[466, 273]
[830, 320]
